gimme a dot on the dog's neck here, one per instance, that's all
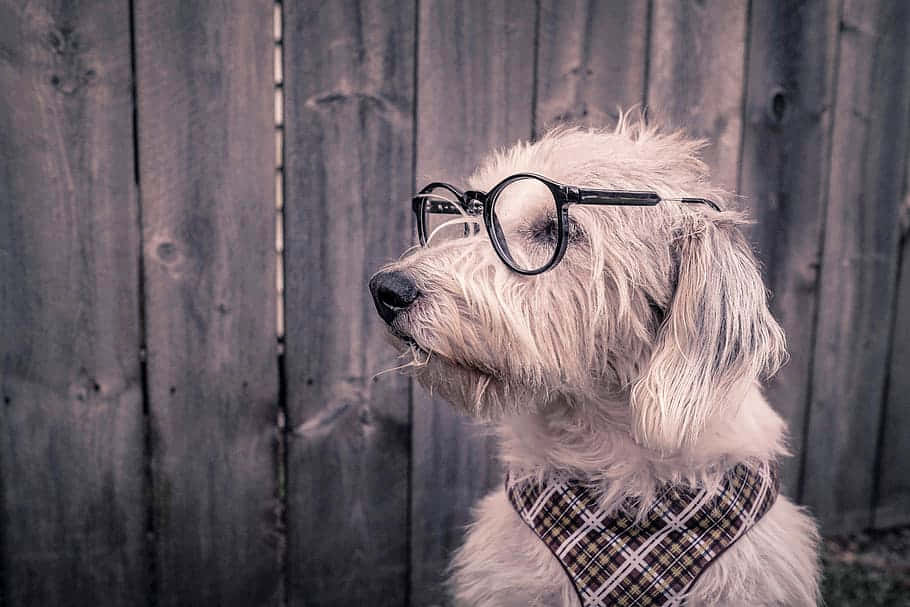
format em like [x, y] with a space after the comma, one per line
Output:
[593, 442]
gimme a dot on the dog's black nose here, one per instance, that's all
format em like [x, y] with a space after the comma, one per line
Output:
[392, 293]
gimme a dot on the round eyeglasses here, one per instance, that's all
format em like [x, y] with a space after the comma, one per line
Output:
[526, 216]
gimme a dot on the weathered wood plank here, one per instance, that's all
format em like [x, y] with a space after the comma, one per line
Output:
[469, 102]
[697, 57]
[892, 507]
[71, 423]
[349, 149]
[859, 261]
[590, 60]
[205, 107]
[786, 143]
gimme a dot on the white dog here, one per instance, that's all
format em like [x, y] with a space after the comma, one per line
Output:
[611, 321]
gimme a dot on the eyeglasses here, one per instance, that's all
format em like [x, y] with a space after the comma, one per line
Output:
[526, 216]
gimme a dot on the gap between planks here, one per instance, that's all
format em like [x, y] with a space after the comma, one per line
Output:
[281, 468]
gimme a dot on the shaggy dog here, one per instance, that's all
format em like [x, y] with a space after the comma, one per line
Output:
[630, 366]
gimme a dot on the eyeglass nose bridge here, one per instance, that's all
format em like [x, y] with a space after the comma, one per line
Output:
[474, 201]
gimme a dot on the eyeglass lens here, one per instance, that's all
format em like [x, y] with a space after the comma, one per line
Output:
[525, 223]
[443, 217]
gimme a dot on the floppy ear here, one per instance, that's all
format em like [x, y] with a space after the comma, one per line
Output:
[717, 339]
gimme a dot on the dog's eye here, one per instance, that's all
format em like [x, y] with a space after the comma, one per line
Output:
[546, 230]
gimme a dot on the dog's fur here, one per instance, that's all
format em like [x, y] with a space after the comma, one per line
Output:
[633, 362]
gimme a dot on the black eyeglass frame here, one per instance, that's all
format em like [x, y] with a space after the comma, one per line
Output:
[474, 203]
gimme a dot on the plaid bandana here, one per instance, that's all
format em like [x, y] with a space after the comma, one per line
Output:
[612, 560]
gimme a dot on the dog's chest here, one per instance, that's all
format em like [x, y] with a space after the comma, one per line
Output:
[612, 559]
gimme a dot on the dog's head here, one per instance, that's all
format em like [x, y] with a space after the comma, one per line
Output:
[655, 313]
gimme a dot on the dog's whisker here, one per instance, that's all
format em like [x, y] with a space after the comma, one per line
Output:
[464, 219]
[392, 369]
[480, 390]
[409, 250]
[414, 363]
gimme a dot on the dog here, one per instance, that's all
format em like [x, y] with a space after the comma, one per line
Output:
[622, 377]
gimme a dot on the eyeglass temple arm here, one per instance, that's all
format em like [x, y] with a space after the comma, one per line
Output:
[443, 207]
[610, 197]
[440, 206]
[447, 207]
[704, 201]
[470, 203]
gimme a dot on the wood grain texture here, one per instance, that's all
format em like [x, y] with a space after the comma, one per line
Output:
[892, 506]
[349, 148]
[205, 107]
[71, 429]
[859, 262]
[697, 57]
[591, 59]
[786, 144]
[470, 101]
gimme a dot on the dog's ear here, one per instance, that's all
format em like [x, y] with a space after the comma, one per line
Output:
[717, 338]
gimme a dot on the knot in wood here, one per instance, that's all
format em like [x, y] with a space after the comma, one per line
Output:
[778, 105]
[70, 74]
[167, 252]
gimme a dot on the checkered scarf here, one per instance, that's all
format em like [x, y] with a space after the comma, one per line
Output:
[614, 560]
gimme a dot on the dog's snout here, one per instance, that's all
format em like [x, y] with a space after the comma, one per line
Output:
[392, 292]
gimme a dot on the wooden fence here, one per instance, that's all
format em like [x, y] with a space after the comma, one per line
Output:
[159, 446]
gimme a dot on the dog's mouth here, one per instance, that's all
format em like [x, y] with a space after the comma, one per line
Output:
[473, 386]
[406, 340]
[410, 343]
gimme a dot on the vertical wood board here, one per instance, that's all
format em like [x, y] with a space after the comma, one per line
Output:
[786, 146]
[475, 83]
[349, 147]
[590, 61]
[697, 56]
[205, 107]
[892, 507]
[71, 425]
[859, 262]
